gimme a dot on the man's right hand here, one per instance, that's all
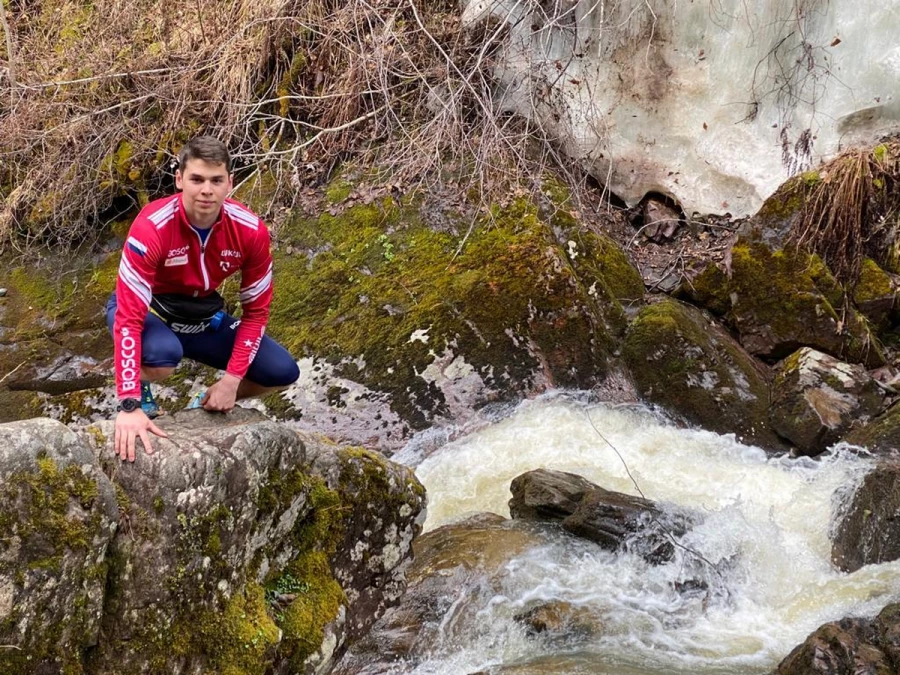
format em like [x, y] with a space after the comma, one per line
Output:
[131, 425]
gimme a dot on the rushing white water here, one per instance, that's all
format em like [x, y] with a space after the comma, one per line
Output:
[766, 518]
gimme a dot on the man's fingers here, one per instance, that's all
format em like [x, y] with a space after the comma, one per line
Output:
[118, 442]
[145, 439]
[156, 430]
[132, 441]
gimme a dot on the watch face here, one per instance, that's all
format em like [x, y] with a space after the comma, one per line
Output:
[129, 404]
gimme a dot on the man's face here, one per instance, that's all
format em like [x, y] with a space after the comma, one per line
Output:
[205, 187]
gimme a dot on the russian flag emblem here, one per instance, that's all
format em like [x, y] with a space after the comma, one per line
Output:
[137, 246]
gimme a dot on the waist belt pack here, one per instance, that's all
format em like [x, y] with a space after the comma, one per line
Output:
[187, 314]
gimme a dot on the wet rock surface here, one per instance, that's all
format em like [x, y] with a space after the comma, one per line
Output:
[851, 645]
[613, 520]
[453, 573]
[868, 531]
[682, 360]
[817, 398]
[881, 435]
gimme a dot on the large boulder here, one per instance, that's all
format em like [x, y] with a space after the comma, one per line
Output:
[613, 520]
[243, 547]
[817, 398]
[685, 362]
[456, 566]
[58, 516]
[778, 300]
[850, 646]
[437, 312]
[867, 532]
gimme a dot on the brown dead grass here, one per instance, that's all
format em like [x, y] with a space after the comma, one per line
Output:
[851, 210]
[104, 93]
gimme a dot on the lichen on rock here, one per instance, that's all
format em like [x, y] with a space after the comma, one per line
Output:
[683, 361]
[58, 516]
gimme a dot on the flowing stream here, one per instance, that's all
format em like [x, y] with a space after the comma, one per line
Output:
[765, 526]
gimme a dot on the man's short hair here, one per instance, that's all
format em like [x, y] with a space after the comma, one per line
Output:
[207, 148]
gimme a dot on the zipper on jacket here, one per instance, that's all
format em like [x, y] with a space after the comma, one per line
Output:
[203, 257]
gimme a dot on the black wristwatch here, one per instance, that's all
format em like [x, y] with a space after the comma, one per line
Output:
[129, 404]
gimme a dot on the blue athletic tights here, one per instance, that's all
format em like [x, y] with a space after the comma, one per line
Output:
[273, 366]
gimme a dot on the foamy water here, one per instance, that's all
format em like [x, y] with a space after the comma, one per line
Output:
[765, 526]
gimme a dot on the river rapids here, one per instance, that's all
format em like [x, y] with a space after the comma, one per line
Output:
[762, 550]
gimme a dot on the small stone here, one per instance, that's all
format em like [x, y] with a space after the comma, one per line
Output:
[2, 292]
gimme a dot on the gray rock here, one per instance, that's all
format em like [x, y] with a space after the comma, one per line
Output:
[240, 542]
[816, 399]
[613, 520]
[867, 532]
[57, 517]
[661, 221]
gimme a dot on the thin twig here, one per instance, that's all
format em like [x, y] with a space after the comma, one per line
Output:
[10, 55]
[3, 379]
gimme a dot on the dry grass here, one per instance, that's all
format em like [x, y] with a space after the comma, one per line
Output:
[851, 210]
[102, 95]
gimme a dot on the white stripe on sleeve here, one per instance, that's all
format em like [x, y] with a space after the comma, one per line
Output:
[134, 281]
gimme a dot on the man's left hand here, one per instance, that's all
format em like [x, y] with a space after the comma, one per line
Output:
[222, 395]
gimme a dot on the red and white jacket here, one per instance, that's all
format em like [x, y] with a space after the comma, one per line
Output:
[164, 254]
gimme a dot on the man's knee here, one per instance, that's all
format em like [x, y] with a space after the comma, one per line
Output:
[292, 374]
[161, 352]
[275, 372]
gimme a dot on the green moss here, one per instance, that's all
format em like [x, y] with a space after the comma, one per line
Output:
[709, 290]
[280, 407]
[873, 284]
[680, 363]
[316, 605]
[44, 509]
[811, 178]
[74, 405]
[50, 491]
[338, 191]
[788, 200]
[238, 638]
[378, 275]
[288, 81]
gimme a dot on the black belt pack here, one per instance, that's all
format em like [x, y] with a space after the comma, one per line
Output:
[187, 314]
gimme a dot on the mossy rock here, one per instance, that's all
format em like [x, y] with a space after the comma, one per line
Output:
[388, 299]
[816, 399]
[58, 515]
[874, 294]
[683, 361]
[49, 319]
[881, 435]
[778, 300]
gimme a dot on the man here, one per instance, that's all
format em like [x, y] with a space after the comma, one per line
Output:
[178, 251]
